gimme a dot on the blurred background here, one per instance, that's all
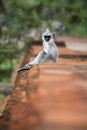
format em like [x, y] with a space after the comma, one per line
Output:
[21, 21]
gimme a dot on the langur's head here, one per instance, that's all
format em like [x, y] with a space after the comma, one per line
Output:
[48, 36]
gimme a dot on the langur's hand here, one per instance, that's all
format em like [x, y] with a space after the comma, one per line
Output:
[27, 67]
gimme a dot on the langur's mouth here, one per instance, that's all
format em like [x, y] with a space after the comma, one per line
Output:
[47, 38]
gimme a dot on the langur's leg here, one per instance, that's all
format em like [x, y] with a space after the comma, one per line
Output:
[36, 61]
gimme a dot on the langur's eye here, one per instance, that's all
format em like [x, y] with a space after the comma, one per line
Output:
[47, 38]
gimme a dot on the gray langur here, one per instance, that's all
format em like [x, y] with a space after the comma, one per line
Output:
[48, 54]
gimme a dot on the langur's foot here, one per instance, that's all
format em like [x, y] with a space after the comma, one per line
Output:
[27, 67]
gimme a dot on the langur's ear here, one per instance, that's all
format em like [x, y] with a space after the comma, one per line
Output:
[54, 34]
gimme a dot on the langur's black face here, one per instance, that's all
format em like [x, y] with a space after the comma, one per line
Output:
[47, 37]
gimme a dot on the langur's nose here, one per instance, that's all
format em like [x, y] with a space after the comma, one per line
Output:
[47, 38]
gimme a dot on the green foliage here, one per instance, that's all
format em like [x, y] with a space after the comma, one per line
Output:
[27, 14]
